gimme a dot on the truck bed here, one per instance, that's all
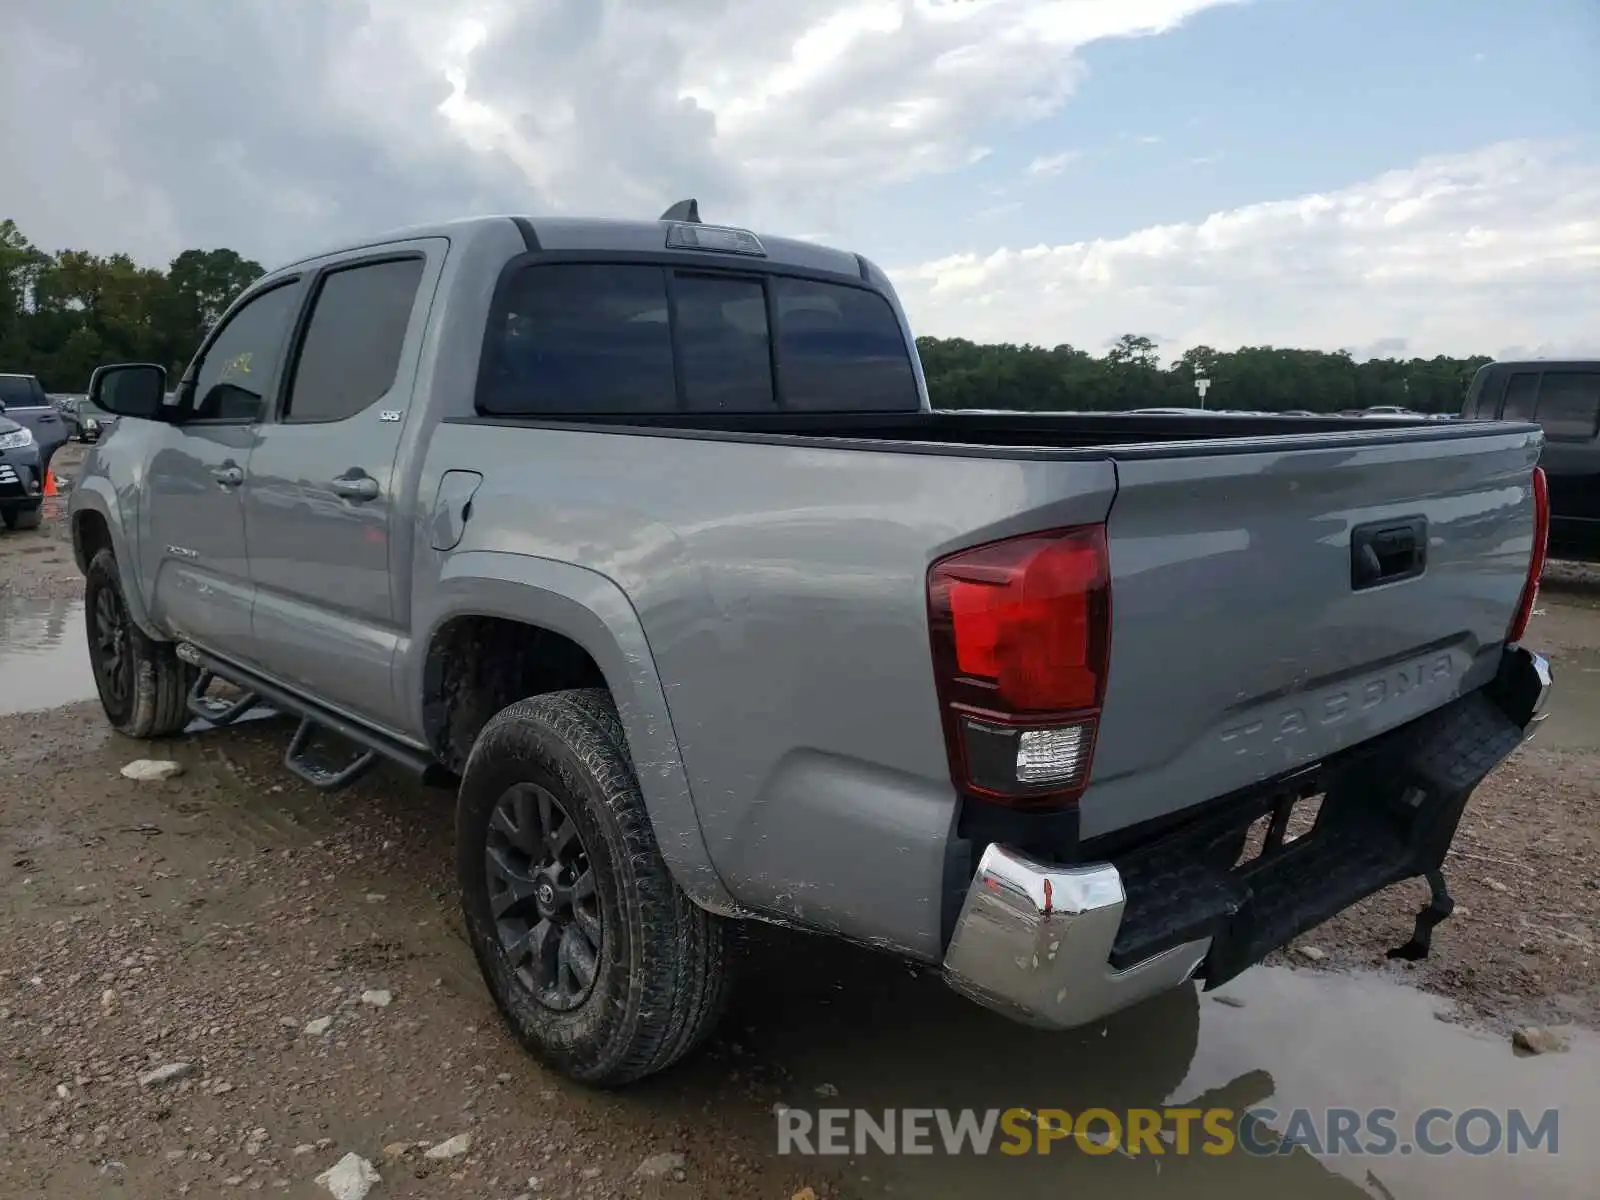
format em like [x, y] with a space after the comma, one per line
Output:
[779, 566]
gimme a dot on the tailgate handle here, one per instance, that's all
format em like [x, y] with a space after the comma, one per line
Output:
[1388, 551]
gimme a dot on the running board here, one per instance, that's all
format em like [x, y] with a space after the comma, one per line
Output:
[213, 709]
[325, 779]
[313, 718]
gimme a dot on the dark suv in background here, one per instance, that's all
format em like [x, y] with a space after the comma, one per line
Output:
[1564, 398]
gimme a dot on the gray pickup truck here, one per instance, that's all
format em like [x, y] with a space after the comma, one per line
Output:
[645, 537]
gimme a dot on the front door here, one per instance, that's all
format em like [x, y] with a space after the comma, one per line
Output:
[320, 500]
[192, 543]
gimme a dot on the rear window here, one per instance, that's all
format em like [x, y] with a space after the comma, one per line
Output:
[841, 349]
[1483, 401]
[607, 339]
[580, 339]
[19, 391]
[1569, 405]
[1522, 392]
[724, 351]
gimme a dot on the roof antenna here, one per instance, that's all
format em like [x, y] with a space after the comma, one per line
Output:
[683, 210]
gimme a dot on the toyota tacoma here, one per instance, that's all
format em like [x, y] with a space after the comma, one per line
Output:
[645, 538]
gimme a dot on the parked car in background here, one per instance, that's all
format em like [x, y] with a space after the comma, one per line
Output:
[24, 401]
[1564, 398]
[645, 531]
[21, 473]
[85, 422]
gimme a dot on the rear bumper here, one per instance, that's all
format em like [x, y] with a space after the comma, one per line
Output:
[1060, 946]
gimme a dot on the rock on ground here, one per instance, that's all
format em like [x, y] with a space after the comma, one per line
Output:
[170, 1073]
[351, 1178]
[152, 770]
[659, 1166]
[1531, 1039]
[450, 1148]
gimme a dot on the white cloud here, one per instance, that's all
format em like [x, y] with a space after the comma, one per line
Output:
[1053, 164]
[274, 125]
[1485, 252]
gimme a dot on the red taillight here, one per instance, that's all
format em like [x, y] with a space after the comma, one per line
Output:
[1541, 541]
[1021, 643]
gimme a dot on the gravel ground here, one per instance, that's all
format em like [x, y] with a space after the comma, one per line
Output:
[243, 932]
[38, 564]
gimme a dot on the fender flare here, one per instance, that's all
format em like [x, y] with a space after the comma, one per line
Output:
[591, 610]
[96, 495]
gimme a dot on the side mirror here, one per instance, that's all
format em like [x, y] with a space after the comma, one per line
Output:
[129, 389]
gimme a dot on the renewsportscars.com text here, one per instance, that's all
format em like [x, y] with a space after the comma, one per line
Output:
[1158, 1131]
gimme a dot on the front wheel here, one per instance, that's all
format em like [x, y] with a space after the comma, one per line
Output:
[143, 685]
[595, 957]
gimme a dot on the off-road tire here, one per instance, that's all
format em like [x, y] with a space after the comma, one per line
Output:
[663, 969]
[157, 704]
[22, 518]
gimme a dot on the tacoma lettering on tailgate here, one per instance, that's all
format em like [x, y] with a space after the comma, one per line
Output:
[1333, 707]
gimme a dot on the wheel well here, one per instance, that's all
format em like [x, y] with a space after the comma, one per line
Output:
[478, 665]
[90, 535]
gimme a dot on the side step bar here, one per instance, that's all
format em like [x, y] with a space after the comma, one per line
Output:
[313, 717]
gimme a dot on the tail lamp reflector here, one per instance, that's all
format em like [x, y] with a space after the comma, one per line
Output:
[1541, 543]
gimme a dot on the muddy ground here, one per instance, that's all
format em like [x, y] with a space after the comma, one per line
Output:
[208, 919]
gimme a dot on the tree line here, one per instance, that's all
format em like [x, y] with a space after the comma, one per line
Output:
[63, 314]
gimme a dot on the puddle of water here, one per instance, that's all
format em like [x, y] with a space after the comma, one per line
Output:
[1574, 714]
[44, 657]
[1300, 1040]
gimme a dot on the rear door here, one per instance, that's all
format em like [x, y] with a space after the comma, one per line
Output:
[1249, 637]
[319, 505]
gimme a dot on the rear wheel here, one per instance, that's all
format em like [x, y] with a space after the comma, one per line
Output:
[22, 517]
[143, 685]
[595, 957]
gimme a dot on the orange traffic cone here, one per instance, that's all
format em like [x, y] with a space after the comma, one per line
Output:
[49, 482]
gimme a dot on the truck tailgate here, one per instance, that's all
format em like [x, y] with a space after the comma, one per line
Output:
[1250, 635]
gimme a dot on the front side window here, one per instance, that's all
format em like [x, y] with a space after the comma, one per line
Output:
[241, 363]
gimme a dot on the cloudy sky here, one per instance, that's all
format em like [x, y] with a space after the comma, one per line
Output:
[1393, 176]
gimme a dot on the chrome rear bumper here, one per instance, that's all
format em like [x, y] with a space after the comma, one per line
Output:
[1033, 942]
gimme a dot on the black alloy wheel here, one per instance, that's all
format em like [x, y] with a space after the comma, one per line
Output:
[542, 896]
[113, 657]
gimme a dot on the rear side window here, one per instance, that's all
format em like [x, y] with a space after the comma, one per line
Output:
[1522, 391]
[1569, 405]
[841, 349]
[351, 351]
[621, 339]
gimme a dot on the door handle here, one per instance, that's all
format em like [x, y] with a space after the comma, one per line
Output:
[356, 487]
[228, 476]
